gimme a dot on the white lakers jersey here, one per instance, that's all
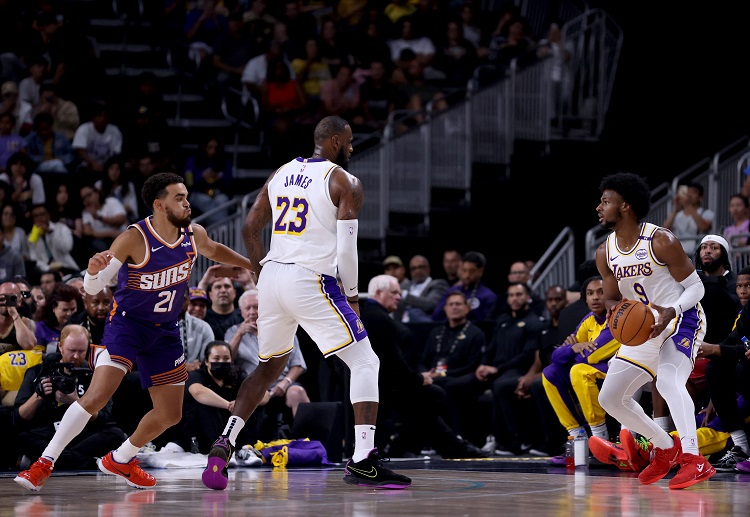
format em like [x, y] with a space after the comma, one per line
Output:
[303, 216]
[640, 275]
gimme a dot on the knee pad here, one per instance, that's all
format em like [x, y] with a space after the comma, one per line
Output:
[364, 366]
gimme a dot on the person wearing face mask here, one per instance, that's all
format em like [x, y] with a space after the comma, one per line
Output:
[210, 392]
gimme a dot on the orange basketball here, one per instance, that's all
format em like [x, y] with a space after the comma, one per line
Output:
[630, 322]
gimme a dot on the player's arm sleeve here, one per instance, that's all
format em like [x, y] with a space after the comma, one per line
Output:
[95, 283]
[346, 255]
[692, 294]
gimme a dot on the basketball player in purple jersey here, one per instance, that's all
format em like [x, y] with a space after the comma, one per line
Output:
[152, 259]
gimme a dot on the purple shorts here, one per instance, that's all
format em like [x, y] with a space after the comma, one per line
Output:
[156, 350]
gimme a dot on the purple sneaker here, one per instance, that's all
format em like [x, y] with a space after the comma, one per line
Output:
[742, 466]
[370, 472]
[557, 461]
[215, 476]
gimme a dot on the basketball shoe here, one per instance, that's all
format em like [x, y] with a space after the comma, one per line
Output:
[662, 461]
[133, 474]
[36, 475]
[216, 474]
[638, 449]
[611, 453]
[371, 472]
[694, 468]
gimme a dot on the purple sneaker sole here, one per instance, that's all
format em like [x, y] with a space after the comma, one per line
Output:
[213, 477]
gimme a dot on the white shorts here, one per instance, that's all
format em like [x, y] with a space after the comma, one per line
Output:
[290, 295]
[685, 333]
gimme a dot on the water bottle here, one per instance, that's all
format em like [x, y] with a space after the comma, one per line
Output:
[581, 450]
[570, 454]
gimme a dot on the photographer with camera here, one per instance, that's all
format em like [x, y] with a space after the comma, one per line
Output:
[16, 331]
[48, 390]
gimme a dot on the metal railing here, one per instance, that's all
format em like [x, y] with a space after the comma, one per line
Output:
[558, 264]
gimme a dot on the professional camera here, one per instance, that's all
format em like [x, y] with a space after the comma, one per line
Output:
[54, 369]
[8, 300]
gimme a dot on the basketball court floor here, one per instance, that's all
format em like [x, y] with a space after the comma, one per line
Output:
[491, 487]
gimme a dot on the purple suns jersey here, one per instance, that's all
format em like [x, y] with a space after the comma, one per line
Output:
[154, 290]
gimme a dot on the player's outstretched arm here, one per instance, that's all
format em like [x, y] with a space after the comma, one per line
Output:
[217, 251]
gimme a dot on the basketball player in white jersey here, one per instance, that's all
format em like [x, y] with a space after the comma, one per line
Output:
[642, 261]
[312, 205]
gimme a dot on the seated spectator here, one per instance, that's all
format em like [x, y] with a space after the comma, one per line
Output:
[195, 334]
[394, 266]
[37, 415]
[54, 314]
[421, 294]
[27, 307]
[688, 220]
[116, 184]
[282, 107]
[480, 297]
[406, 395]
[64, 112]
[13, 366]
[103, 219]
[48, 280]
[377, 96]
[451, 265]
[515, 43]
[739, 209]
[28, 87]
[455, 348]
[10, 141]
[409, 38]
[16, 331]
[11, 263]
[198, 305]
[311, 73]
[95, 142]
[232, 51]
[210, 393]
[208, 177]
[455, 57]
[27, 185]
[578, 364]
[50, 150]
[340, 96]
[11, 103]
[256, 70]
[13, 235]
[223, 313]
[93, 317]
[243, 340]
[333, 51]
[50, 244]
[508, 356]
[519, 272]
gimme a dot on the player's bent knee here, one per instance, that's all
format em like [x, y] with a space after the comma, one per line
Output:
[364, 366]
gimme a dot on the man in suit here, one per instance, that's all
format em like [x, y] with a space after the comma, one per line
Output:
[421, 294]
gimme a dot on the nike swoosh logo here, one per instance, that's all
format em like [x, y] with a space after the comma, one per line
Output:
[372, 473]
[613, 258]
[156, 249]
[123, 474]
[352, 288]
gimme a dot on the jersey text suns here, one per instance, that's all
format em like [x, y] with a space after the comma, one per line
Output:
[161, 279]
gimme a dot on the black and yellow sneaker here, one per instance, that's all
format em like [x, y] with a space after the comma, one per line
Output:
[370, 472]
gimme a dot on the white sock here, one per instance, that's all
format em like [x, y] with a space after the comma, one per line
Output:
[664, 422]
[125, 452]
[740, 440]
[364, 441]
[233, 428]
[71, 425]
[600, 431]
